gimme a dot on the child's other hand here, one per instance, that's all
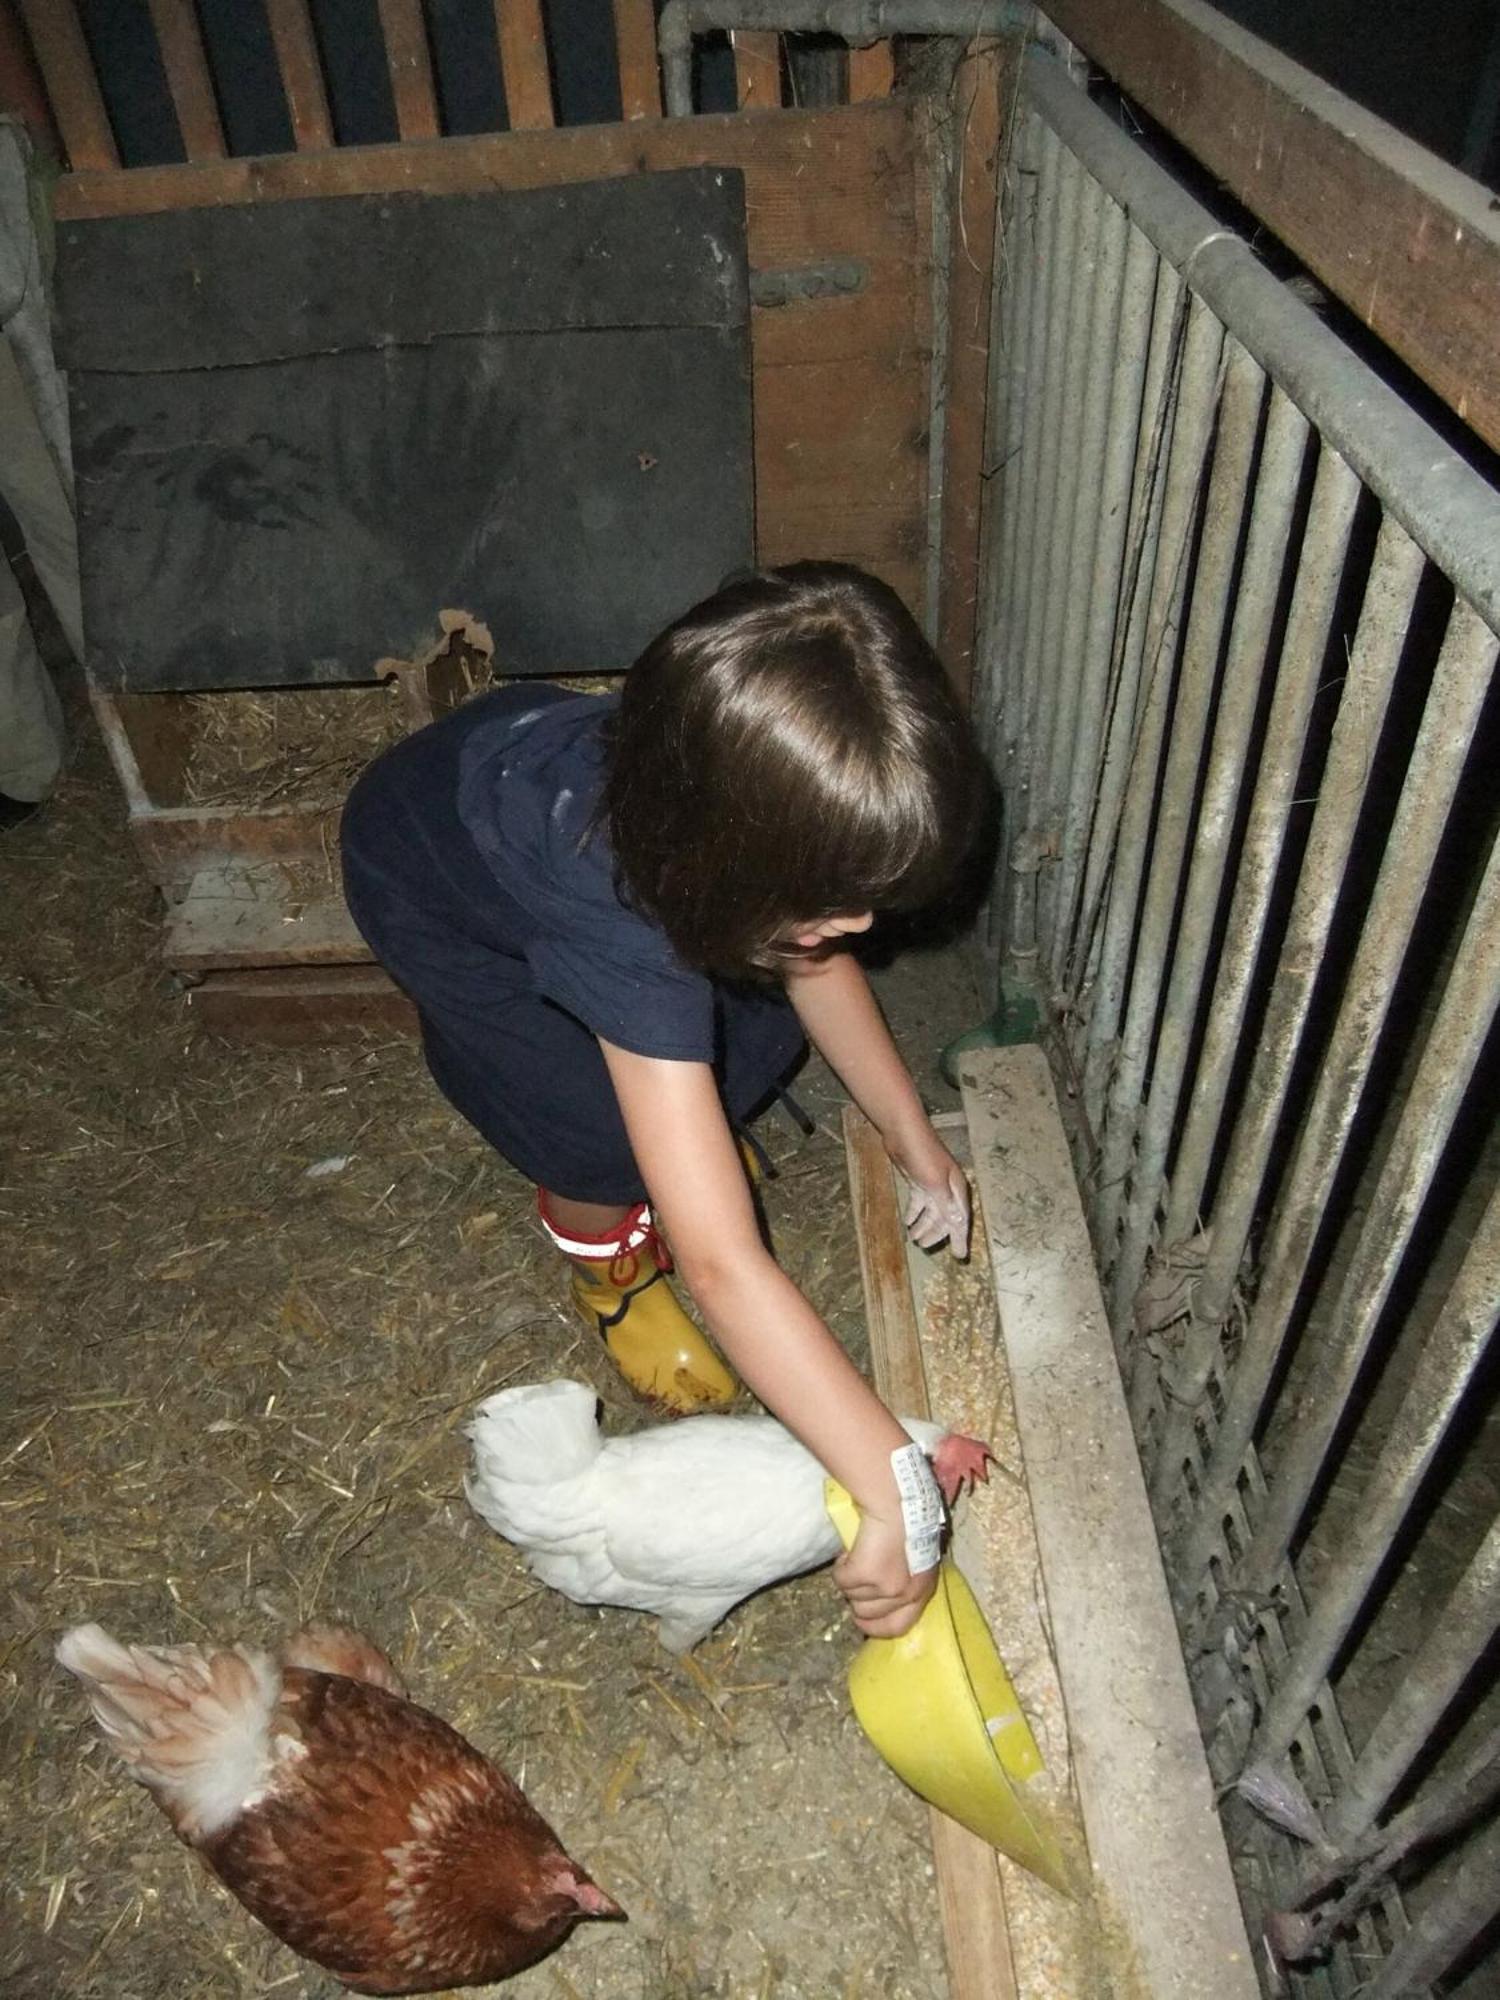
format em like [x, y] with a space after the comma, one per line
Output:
[884, 1598]
[937, 1203]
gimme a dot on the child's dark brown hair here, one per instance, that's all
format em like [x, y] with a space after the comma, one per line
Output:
[789, 750]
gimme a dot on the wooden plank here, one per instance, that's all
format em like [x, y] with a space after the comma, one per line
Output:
[1148, 1805]
[67, 69]
[301, 74]
[872, 72]
[149, 738]
[970, 1893]
[978, 84]
[178, 842]
[840, 382]
[254, 914]
[757, 69]
[522, 41]
[188, 78]
[1407, 242]
[409, 61]
[635, 44]
[23, 94]
[300, 1004]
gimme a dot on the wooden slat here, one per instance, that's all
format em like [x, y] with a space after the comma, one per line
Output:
[301, 74]
[67, 69]
[1148, 1804]
[300, 1004]
[840, 383]
[1406, 241]
[757, 69]
[978, 86]
[872, 72]
[188, 78]
[523, 65]
[635, 42]
[23, 95]
[256, 913]
[409, 61]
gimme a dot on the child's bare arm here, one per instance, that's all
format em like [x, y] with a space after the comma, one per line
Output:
[839, 1012]
[768, 1331]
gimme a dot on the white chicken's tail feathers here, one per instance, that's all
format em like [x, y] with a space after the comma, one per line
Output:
[193, 1726]
[534, 1435]
[336, 1649]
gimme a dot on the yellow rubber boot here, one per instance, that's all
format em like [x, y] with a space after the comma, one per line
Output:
[618, 1287]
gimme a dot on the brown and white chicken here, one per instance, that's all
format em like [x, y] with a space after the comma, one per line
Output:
[360, 1829]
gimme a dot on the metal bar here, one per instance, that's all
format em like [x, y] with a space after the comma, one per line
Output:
[522, 41]
[1445, 1369]
[1101, 334]
[1456, 1638]
[1187, 464]
[1127, 642]
[1459, 1903]
[757, 69]
[1452, 1050]
[1131, 346]
[301, 74]
[1320, 568]
[67, 68]
[1373, 660]
[1435, 495]
[409, 62]
[188, 78]
[1218, 548]
[1255, 596]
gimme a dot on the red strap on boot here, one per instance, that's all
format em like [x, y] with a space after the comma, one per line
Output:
[634, 1232]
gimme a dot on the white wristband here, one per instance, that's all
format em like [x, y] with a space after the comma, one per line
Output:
[921, 1508]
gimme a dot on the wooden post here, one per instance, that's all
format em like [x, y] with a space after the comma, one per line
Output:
[523, 64]
[63, 57]
[757, 69]
[301, 74]
[188, 78]
[635, 40]
[409, 61]
[872, 72]
[977, 87]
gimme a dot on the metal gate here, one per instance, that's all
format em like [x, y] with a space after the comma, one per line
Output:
[1238, 678]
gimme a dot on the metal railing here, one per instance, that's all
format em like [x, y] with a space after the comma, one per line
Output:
[1237, 674]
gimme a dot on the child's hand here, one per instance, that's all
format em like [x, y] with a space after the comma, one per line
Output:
[937, 1202]
[885, 1599]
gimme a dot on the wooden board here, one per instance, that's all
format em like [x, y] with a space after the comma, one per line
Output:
[301, 73]
[259, 914]
[1409, 243]
[1148, 1805]
[311, 1004]
[67, 69]
[840, 383]
[522, 42]
[297, 435]
[188, 78]
[635, 46]
[410, 65]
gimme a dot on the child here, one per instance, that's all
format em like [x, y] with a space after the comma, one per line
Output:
[617, 919]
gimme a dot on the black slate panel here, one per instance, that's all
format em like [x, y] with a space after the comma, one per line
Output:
[302, 428]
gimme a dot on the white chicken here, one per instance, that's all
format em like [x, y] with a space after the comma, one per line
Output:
[684, 1520]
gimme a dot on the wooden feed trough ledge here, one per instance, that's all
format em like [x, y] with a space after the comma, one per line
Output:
[1062, 1554]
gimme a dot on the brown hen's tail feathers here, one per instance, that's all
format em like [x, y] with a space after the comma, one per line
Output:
[336, 1649]
[192, 1725]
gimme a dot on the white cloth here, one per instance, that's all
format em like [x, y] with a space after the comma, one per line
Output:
[36, 484]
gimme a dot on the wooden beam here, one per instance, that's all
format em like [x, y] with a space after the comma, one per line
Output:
[301, 74]
[1142, 1775]
[522, 40]
[300, 1004]
[409, 61]
[971, 1896]
[23, 94]
[67, 68]
[635, 42]
[188, 78]
[872, 72]
[1409, 243]
[757, 69]
[978, 84]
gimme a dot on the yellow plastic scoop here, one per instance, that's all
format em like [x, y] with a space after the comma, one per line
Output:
[938, 1705]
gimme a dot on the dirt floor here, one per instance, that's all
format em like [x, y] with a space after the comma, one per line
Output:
[251, 1296]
